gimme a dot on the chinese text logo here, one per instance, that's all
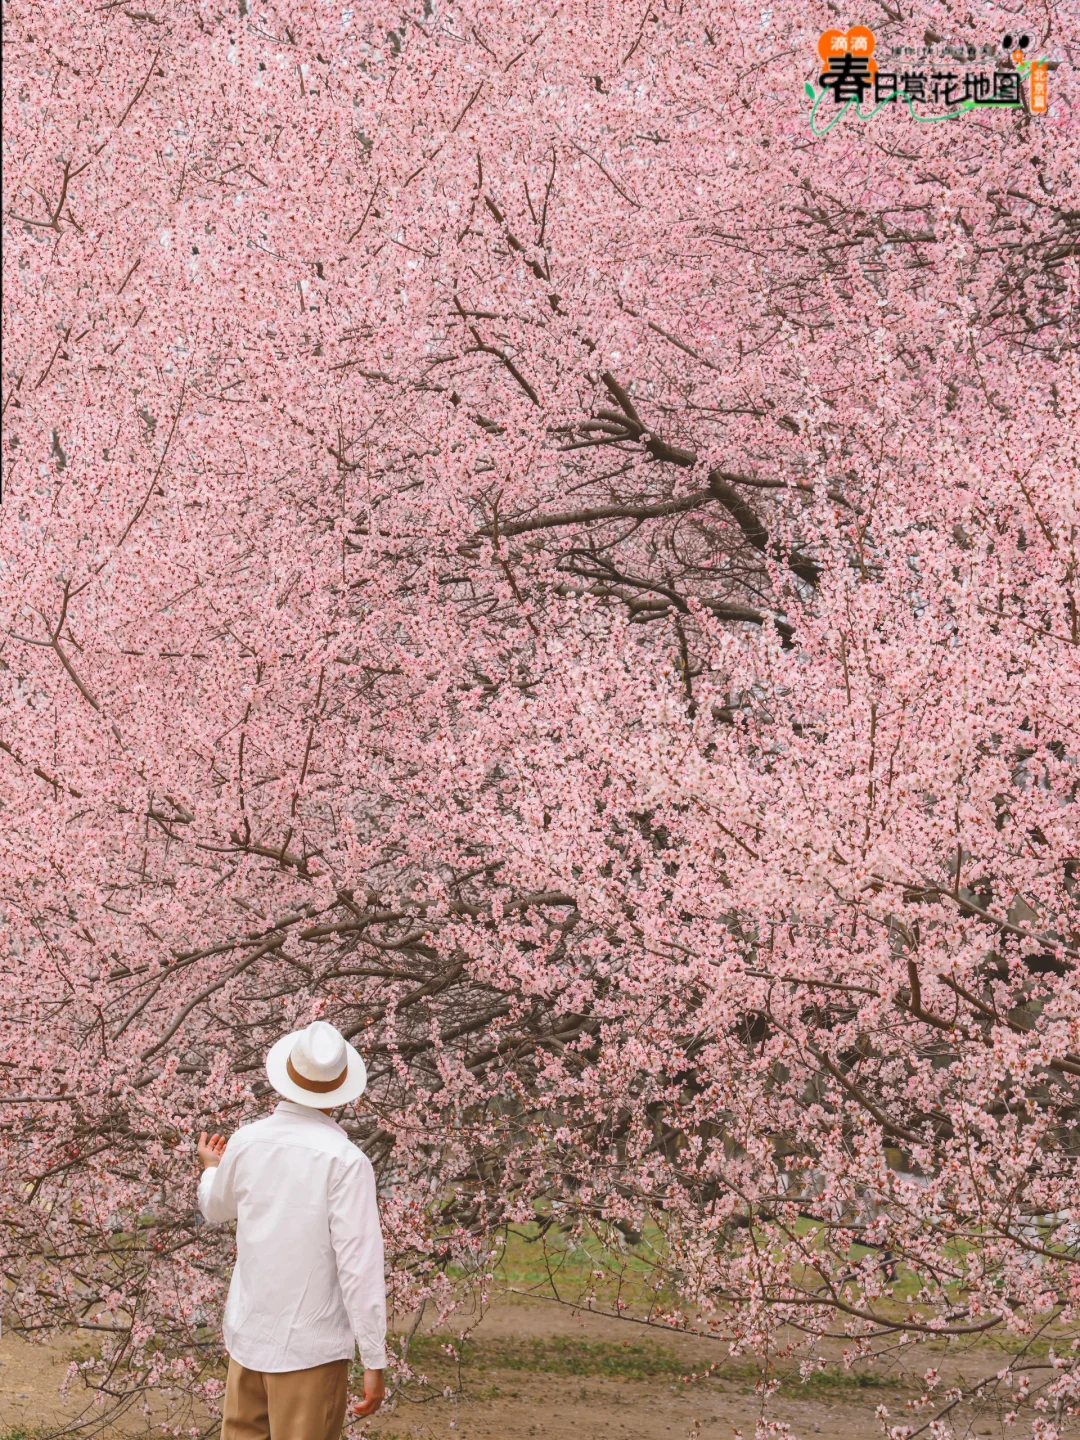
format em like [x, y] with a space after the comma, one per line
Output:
[851, 72]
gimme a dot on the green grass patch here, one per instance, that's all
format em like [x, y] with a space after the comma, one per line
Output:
[612, 1360]
[555, 1262]
[836, 1382]
[556, 1356]
[600, 1264]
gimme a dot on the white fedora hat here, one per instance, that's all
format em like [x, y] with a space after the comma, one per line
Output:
[316, 1066]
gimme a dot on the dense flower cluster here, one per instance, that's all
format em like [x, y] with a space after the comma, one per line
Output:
[514, 546]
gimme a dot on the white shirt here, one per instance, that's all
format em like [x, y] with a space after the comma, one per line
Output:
[309, 1273]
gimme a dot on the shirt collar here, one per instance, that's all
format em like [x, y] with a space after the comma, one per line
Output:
[290, 1107]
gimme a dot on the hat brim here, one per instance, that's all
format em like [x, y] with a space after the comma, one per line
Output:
[353, 1085]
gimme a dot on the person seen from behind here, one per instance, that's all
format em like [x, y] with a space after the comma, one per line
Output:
[309, 1281]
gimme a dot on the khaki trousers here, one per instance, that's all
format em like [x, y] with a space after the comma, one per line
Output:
[287, 1405]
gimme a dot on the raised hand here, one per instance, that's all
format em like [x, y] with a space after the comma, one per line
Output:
[211, 1150]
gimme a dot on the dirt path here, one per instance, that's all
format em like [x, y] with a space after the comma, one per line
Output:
[512, 1402]
[502, 1403]
[536, 1369]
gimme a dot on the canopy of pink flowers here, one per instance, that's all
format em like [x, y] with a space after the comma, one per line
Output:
[514, 546]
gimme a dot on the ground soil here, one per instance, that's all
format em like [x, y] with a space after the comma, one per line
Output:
[518, 1403]
[503, 1399]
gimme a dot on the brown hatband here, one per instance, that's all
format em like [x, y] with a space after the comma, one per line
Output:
[320, 1087]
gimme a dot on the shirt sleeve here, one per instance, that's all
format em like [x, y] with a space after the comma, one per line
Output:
[217, 1197]
[358, 1247]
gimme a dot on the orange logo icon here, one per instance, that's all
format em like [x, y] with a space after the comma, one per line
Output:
[850, 67]
[857, 42]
